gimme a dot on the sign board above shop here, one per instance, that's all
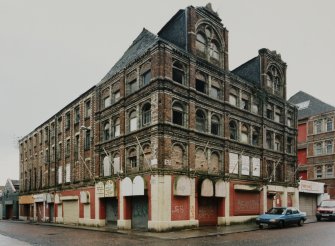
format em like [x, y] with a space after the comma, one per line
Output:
[107, 189]
[311, 187]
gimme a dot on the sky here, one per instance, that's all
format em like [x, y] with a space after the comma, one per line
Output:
[53, 51]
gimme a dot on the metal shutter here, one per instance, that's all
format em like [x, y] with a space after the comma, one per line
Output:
[308, 203]
[71, 212]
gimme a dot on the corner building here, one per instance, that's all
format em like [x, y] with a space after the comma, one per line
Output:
[175, 138]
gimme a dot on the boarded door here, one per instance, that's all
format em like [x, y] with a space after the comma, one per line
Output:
[9, 211]
[308, 203]
[111, 210]
[51, 212]
[207, 211]
[39, 211]
[139, 218]
[71, 212]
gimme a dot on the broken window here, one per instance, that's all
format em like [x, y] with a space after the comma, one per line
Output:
[200, 121]
[233, 130]
[255, 136]
[269, 140]
[200, 83]
[178, 72]
[146, 114]
[244, 134]
[201, 42]
[106, 132]
[215, 125]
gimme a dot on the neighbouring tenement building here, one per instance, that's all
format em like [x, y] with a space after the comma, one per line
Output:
[316, 139]
[10, 200]
[169, 138]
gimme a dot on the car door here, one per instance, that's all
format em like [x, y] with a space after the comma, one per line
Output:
[289, 217]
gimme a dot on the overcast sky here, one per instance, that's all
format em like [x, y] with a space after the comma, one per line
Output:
[53, 51]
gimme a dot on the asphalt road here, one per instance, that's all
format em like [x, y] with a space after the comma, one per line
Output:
[320, 234]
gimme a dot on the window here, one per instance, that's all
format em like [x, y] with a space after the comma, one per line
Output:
[289, 148]
[68, 173]
[200, 121]
[278, 143]
[329, 125]
[245, 102]
[76, 115]
[214, 51]
[233, 97]
[318, 171]
[269, 140]
[146, 77]
[233, 130]
[317, 148]
[215, 125]
[132, 158]
[269, 112]
[107, 102]
[132, 121]
[255, 106]
[132, 86]
[329, 171]
[67, 148]
[117, 127]
[116, 95]
[59, 152]
[178, 72]
[274, 80]
[289, 119]
[88, 108]
[177, 114]
[244, 134]
[67, 120]
[60, 174]
[106, 166]
[317, 126]
[329, 147]
[201, 43]
[76, 148]
[278, 114]
[106, 132]
[200, 83]
[214, 92]
[255, 136]
[87, 143]
[146, 114]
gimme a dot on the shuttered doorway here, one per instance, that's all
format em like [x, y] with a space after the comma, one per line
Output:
[139, 218]
[308, 203]
[71, 212]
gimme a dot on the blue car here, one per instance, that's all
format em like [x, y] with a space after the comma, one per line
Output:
[281, 216]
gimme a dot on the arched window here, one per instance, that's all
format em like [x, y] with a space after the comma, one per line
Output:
[106, 131]
[233, 130]
[146, 156]
[215, 125]
[116, 127]
[132, 121]
[178, 114]
[146, 114]
[329, 146]
[200, 121]
[201, 42]
[178, 72]
[244, 134]
[200, 83]
[107, 166]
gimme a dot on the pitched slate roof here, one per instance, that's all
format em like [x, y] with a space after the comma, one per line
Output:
[250, 71]
[308, 105]
[139, 46]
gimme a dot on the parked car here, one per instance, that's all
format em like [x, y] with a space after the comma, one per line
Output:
[281, 216]
[326, 210]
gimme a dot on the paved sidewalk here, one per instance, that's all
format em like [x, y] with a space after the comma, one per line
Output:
[181, 234]
[6, 241]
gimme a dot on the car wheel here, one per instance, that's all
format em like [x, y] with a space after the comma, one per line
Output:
[281, 224]
[301, 222]
[260, 226]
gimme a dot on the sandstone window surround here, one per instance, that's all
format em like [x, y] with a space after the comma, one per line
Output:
[88, 108]
[233, 130]
[201, 82]
[274, 80]
[106, 131]
[215, 125]
[208, 43]
[117, 127]
[132, 121]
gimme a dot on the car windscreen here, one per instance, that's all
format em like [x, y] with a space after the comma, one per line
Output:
[328, 204]
[276, 211]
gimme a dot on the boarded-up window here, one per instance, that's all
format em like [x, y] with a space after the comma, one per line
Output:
[60, 175]
[133, 121]
[233, 163]
[117, 167]
[245, 165]
[107, 166]
[256, 167]
[200, 160]
[177, 156]
[214, 163]
[68, 173]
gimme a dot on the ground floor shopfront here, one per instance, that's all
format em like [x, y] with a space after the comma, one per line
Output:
[310, 195]
[158, 202]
